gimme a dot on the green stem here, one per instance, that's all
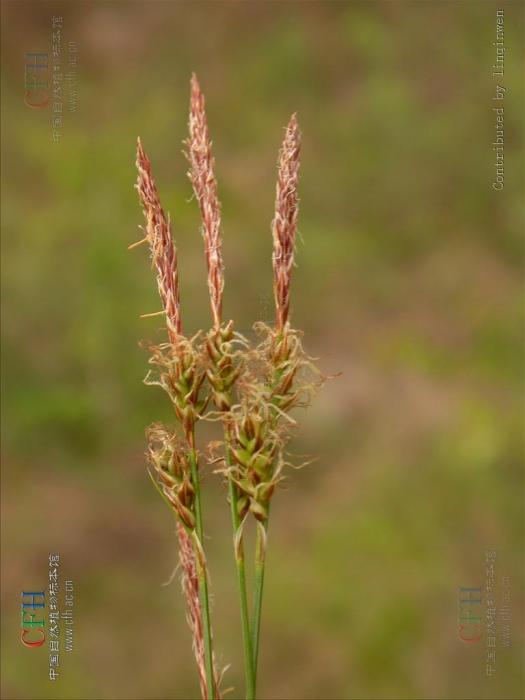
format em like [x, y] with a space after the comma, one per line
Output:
[260, 561]
[241, 578]
[202, 577]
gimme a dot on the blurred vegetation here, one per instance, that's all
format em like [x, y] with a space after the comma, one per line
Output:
[409, 280]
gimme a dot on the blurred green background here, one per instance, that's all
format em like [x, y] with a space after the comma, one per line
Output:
[409, 281]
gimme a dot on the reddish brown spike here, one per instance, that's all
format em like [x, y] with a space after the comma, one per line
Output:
[204, 182]
[160, 239]
[284, 224]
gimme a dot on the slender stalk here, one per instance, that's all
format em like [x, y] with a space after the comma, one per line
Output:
[260, 562]
[202, 576]
[249, 672]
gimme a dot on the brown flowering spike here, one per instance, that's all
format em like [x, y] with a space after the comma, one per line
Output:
[202, 177]
[163, 251]
[284, 225]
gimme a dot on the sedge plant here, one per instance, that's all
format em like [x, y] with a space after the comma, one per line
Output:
[217, 375]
